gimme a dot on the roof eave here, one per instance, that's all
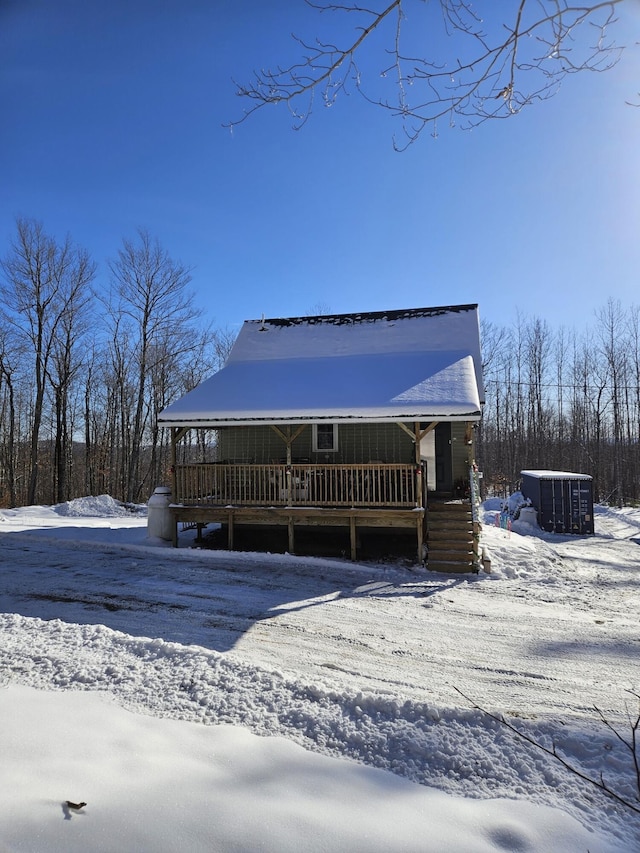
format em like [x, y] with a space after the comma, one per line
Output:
[297, 420]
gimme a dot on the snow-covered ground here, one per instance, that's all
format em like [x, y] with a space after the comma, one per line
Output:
[329, 691]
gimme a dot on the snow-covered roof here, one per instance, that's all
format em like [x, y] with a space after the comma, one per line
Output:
[555, 475]
[419, 364]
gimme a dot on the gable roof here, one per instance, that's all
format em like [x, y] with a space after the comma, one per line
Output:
[418, 364]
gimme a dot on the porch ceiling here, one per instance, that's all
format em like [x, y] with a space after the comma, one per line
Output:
[373, 387]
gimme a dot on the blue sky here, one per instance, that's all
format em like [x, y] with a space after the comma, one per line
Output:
[111, 118]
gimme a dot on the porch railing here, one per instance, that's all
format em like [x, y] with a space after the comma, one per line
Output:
[364, 485]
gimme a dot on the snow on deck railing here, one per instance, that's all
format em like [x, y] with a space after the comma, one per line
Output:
[362, 485]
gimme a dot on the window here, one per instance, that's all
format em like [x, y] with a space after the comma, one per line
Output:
[325, 438]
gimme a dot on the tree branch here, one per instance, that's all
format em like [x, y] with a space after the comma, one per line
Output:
[487, 72]
[597, 783]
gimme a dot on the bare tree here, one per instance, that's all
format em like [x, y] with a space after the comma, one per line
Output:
[10, 357]
[613, 351]
[633, 462]
[453, 59]
[42, 283]
[537, 352]
[564, 400]
[153, 310]
[66, 361]
[319, 309]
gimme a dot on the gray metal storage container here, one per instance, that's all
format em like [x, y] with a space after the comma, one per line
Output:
[564, 501]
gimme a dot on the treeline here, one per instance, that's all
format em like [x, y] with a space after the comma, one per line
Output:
[84, 369]
[564, 400]
[88, 358]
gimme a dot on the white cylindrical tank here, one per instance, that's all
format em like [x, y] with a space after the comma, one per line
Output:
[160, 522]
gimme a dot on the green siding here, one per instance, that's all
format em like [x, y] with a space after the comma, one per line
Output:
[461, 452]
[356, 443]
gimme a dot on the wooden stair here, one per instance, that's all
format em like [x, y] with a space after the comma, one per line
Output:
[451, 545]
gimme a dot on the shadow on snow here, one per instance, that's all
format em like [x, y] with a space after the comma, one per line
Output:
[206, 598]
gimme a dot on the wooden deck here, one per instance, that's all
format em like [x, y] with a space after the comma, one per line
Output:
[372, 485]
[303, 496]
[374, 495]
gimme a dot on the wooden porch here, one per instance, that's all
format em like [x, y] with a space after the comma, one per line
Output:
[304, 495]
[375, 495]
[373, 485]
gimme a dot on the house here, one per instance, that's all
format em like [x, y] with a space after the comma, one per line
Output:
[357, 422]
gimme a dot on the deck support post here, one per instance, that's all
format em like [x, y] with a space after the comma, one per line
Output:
[230, 531]
[352, 536]
[291, 534]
